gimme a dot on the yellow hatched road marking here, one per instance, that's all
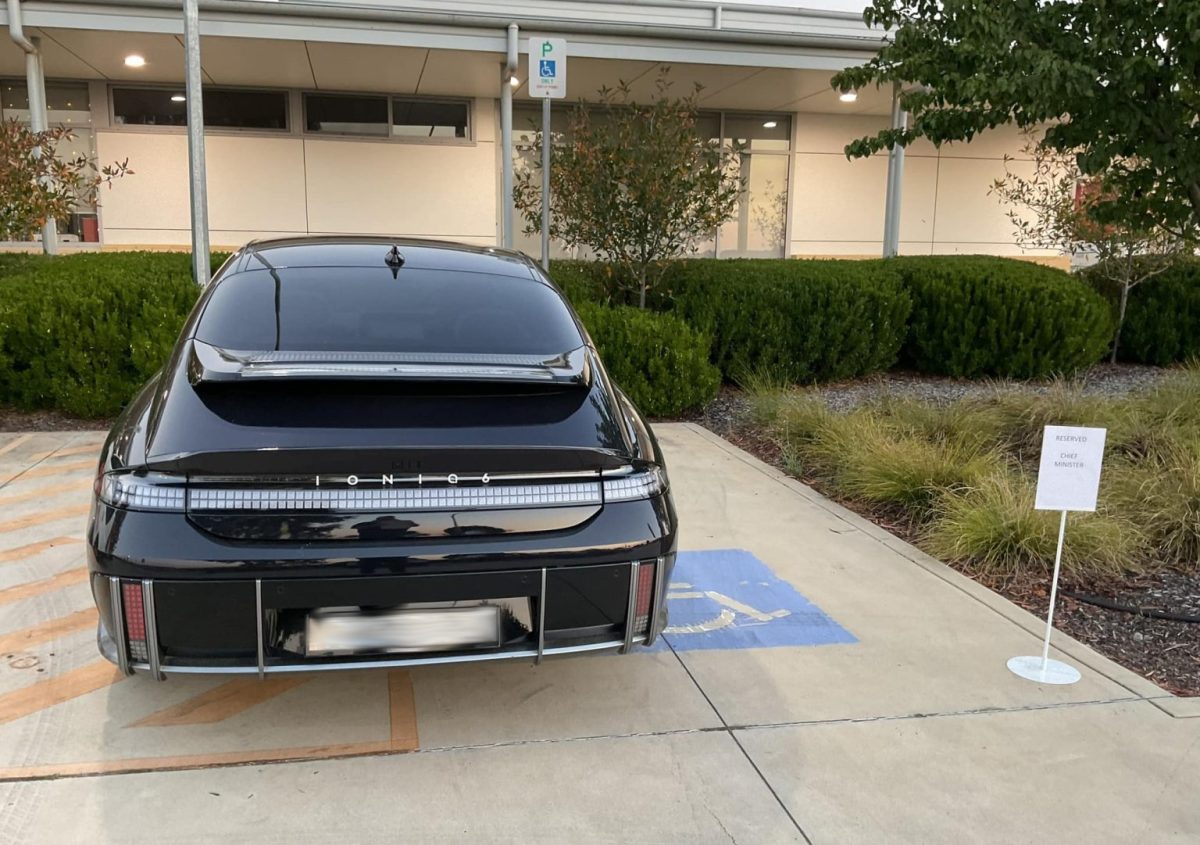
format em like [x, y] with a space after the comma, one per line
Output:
[220, 702]
[40, 492]
[22, 552]
[403, 737]
[87, 678]
[78, 621]
[54, 469]
[85, 449]
[46, 585]
[45, 516]
[15, 443]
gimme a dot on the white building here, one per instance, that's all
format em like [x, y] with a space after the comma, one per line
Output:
[384, 117]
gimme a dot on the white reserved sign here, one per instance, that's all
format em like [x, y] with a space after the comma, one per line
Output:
[547, 67]
[1069, 473]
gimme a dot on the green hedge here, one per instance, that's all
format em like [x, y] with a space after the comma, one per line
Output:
[984, 316]
[1162, 318]
[81, 333]
[795, 320]
[657, 359]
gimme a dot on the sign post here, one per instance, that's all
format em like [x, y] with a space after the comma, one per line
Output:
[1068, 480]
[547, 80]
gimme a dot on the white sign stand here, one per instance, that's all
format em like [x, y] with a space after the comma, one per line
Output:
[548, 80]
[1068, 480]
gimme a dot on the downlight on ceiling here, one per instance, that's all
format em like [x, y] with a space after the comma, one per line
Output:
[770, 124]
[848, 96]
[178, 98]
[134, 60]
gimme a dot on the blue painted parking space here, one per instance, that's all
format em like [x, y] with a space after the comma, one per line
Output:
[728, 598]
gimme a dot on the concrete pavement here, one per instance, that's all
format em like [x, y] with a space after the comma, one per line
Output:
[909, 729]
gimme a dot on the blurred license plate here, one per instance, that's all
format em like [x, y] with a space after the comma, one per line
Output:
[410, 629]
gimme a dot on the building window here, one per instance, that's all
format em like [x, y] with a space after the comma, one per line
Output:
[381, 117]
[342, 114]
[224, 108]
[430, 118]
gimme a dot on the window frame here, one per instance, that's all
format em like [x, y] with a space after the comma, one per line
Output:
[113, 125]
[390, 137]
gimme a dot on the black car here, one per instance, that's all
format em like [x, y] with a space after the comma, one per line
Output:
[377, 452]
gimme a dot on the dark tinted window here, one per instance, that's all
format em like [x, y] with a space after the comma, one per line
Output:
[346, 115]
[365, 309]
[429, 118]
[228, 108]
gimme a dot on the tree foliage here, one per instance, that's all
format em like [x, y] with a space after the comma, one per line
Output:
[38, 184]
[635, 183]
[1116, 80]
[1057, 207]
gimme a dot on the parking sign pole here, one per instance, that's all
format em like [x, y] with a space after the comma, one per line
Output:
[546, 184]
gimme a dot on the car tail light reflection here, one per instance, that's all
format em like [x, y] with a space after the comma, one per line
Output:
[135, 620]
[645, 597]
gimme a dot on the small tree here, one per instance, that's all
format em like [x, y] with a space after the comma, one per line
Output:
[1058, 207]
[37, 184]
[634, 183]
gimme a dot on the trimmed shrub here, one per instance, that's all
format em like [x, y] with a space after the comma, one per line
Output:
[799, 320]
[1162, 317]
[657, 359]
[583, 281]
[81, 333]
[983, 316]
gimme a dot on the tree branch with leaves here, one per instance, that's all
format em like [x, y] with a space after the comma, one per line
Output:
[635, 183]
[38, 184]
[1057, 206]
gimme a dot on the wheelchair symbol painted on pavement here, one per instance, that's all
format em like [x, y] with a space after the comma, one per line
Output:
[727, 616]
[728, 598]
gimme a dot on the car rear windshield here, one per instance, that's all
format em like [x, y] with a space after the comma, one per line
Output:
[356, 309]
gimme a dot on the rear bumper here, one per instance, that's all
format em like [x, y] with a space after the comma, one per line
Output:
[212, 606]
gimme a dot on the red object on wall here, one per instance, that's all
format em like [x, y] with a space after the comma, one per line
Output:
[91, 229]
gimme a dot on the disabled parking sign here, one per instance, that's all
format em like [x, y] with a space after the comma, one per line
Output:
[547, 67]
[728, 598]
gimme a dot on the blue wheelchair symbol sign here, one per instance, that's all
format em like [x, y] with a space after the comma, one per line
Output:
[546, 68]
[728, 598]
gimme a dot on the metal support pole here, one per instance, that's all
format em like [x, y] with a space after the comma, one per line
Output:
[506, 162]
[197, 180]
[546, 145]
[39, 121]
[895, 182]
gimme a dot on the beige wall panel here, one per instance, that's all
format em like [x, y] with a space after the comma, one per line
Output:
[180, 239]
[840, 200]
[966, 212]
[436, 190]
[829, 133]
[156, 194]
[255, 184]
[857, 249]
[995, 143]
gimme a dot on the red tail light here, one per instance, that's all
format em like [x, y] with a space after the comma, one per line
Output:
[645, 597]
[135, 620]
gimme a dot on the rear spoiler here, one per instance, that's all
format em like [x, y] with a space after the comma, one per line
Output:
[208, 363]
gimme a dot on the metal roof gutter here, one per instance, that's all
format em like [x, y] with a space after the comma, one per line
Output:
[718, 31]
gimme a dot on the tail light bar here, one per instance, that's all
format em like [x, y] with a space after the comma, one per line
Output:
[135, 631]
[645, 592]
[167, 492]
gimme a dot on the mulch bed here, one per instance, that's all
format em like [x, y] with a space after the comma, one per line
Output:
[1164, 651]
[13, 420]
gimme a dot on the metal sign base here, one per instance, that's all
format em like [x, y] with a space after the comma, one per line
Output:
[1034, 668]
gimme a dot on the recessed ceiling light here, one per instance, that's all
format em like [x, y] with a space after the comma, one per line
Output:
[770, 124]
[134, 60]
[178, 98]
[848, 96]
[513, 81]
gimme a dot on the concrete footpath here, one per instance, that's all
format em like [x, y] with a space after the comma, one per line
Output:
[821, 682]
